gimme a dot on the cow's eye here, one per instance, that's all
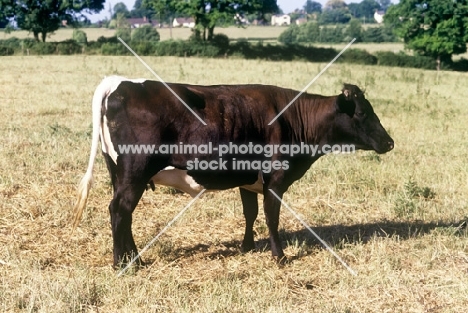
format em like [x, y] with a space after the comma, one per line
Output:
[361, 114]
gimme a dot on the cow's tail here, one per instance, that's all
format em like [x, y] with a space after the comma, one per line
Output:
[102, 91]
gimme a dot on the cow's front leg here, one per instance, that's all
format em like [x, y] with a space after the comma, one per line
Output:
[250, 209]
[126, 197]
[271, 206]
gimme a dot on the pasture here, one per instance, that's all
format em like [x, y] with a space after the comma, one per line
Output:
[398, 220]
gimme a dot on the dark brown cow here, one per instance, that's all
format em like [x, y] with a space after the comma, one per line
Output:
[142, 112]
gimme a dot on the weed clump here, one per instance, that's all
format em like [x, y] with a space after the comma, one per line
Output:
[408, 201]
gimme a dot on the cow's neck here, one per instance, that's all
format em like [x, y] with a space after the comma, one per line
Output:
[311, 120]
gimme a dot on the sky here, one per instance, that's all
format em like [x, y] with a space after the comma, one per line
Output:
[286, 5]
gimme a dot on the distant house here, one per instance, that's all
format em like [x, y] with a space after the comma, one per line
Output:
[184, 22]
[140, 21]
[281, 19]
[378, 16]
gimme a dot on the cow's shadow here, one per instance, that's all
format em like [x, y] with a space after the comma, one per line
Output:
[336, 236]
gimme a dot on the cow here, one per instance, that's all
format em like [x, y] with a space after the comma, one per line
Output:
[145, 112]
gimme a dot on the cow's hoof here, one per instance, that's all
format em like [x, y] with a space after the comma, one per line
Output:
[127, 267]
[246, 247]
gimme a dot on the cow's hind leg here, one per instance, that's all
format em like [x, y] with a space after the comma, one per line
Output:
[126, 197]
[250, 209]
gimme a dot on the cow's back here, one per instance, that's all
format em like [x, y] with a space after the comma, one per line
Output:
[147, 113]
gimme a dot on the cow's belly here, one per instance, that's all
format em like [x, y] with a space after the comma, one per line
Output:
[180, 180]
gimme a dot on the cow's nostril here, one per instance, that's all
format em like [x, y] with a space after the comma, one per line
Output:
[391, 145]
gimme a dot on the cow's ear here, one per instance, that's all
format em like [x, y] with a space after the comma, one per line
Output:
[346, 92]
[345, 104]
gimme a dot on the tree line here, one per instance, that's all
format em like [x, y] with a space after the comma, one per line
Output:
[313, 32]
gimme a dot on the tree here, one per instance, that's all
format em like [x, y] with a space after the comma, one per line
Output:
[435, 28]
[312, 7]
[384, 4]
[364, 9]
[207, 13]
[336, 11]
[354, 30]
[290, 35]
[121, 8]
[141, 10]
[80, 36]
[335, 4]
[43, 17]
[145, 33]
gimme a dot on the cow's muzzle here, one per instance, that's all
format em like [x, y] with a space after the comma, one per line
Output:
[391, 145]
[384, 147]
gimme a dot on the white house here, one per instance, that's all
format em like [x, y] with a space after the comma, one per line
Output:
[378, 16]
[184, 22]
[281, 19]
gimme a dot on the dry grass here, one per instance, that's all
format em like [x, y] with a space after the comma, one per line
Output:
[394, 218]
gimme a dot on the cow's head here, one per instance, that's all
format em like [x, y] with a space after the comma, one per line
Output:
[358, 123]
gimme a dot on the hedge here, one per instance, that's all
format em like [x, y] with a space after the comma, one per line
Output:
[221, 47]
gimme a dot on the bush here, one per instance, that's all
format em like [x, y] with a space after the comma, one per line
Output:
[68, 47]
[145, 33]
[354, 30]
[28, 43]
[312, 32]
[202, 49]
[170, 47]
[316, 54]
[290, 35]
[124, 34]
[79, 36]
[101, 40]
[95, 46]
[6, 51]
[221, 41]
[460, 65]
[358, 56]
[309, 32]
[145, 47]
[378, 34]
[114, 49]
[401, 59]
[43, 48]
[332, 34]
[242, 48]
[13, 43]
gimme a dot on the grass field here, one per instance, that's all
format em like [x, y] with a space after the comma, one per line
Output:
[396, 219]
